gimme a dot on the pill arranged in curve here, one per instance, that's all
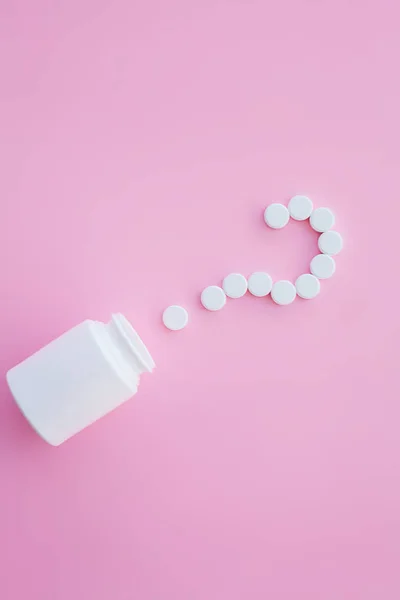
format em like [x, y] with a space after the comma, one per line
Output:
[175, 317]
[260, 283]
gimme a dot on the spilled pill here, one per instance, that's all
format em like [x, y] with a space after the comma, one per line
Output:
[260, 284]
[323, 266]
[330, 242]
[322, 219]
[175, 317]
[276, 216]
[213, 298]
[307, 286]
[235, 285]
[283, 292]
[300, 208]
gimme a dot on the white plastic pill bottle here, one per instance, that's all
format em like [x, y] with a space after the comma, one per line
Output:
[79, 377]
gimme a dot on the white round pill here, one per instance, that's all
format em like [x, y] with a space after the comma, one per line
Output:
[322, 266]
[276, 216]
[235, 285]
[283, 292]
[175, 317]
[213, 298]
[260, 284]
[322, 219]
[300, 208]
[307, 286]
[330, 242]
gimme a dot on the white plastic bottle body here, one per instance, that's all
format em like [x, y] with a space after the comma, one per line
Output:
[79, 377]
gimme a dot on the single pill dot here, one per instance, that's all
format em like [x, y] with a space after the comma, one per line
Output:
[300, 208]
[235, 285]
[276, 216]
[307, 286]
[260, 284]
[323, 266]
[322, 219]
[175, 317]
[283, 292]
[213, 298]
[330, 242]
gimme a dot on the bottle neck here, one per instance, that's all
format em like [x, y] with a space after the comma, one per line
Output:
[129, 344]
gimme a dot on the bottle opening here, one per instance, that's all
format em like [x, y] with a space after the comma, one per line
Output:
[134, 342]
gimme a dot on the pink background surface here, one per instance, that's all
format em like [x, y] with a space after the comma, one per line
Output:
[139, 145]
